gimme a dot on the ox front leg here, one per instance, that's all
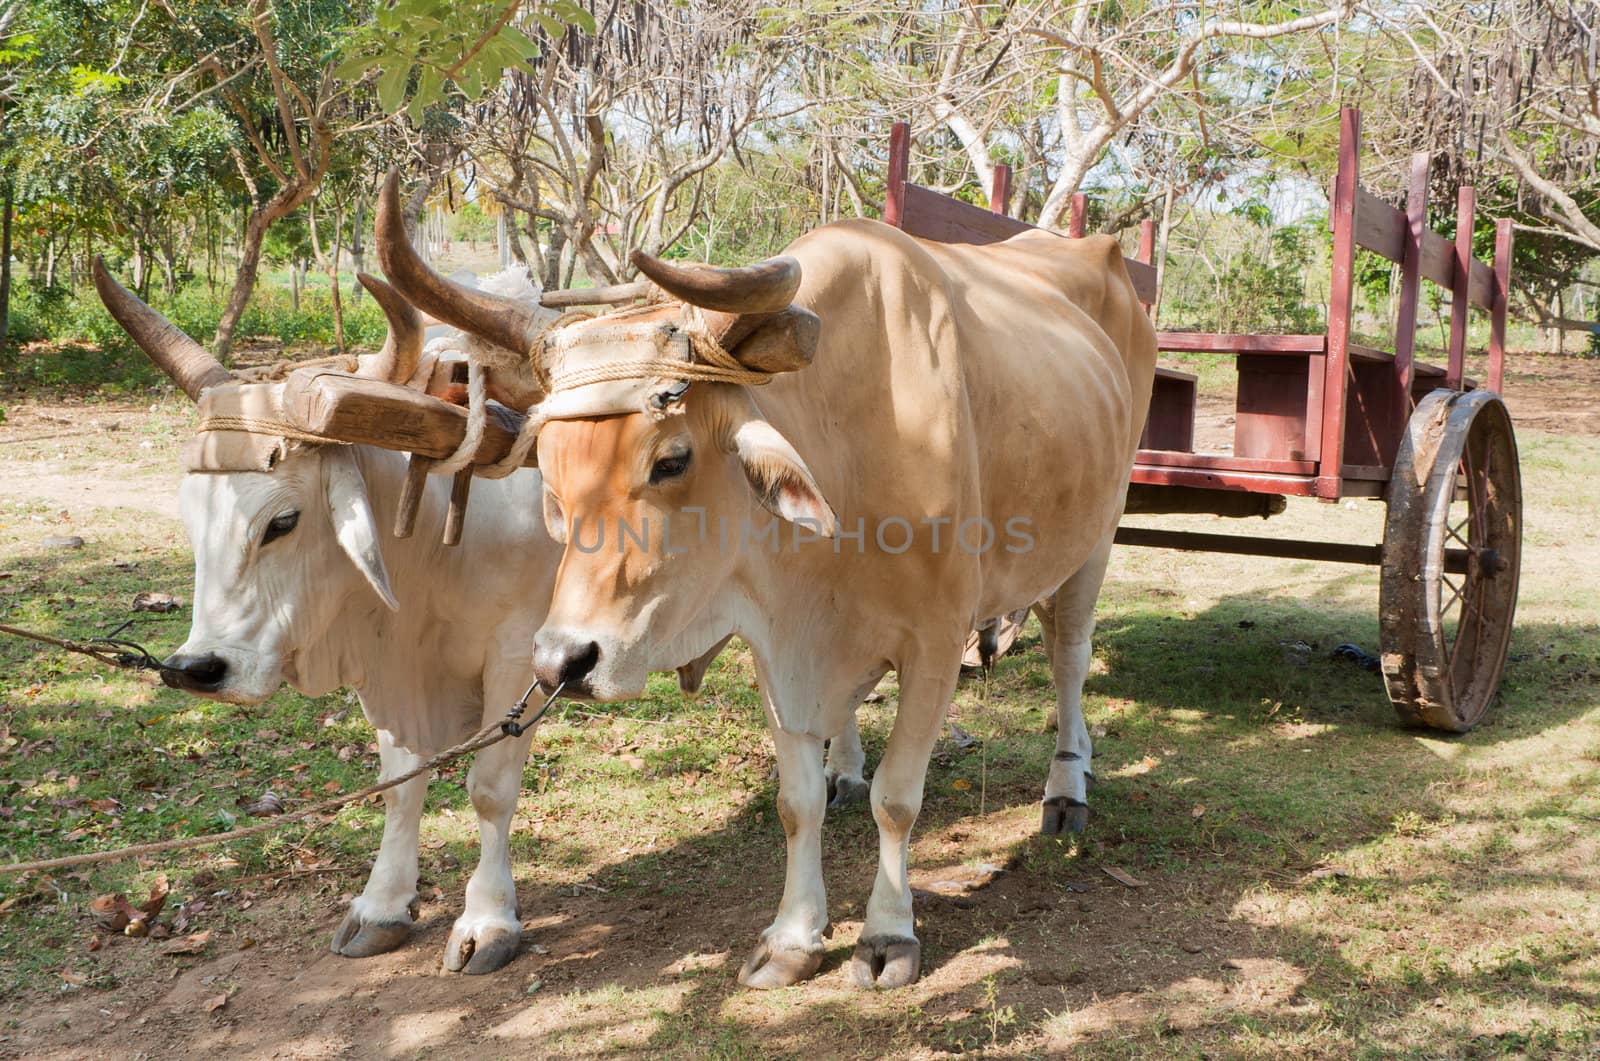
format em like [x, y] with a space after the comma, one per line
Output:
[791, 948]
[488, 932]
[1068, 624]
[845, 772]
[380, 917]
[889, 953]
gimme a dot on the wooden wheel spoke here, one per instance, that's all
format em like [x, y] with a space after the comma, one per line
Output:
[1470, 607]
[1455, 596]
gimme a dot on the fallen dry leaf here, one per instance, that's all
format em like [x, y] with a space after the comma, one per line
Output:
[1199, 810]
[961, 784]
[331, 786]
[216, 1002]
[193, 943]
[1122, 876]
[269, 804]
[155, 601]
[159, 890]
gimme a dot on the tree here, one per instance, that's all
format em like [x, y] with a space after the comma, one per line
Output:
[1505, 98]
[605, 141]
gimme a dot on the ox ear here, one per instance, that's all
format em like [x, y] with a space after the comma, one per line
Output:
[353, 521]
[555, 520]
[777, 474]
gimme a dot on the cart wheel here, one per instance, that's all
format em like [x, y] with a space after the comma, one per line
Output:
[1452, 553]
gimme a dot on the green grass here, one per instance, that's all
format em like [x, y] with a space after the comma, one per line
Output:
[1351, 888]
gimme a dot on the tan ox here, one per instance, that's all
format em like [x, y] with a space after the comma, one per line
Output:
[952, 388]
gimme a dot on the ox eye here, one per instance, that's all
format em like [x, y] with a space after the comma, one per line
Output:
[280, 526]
[669, 468]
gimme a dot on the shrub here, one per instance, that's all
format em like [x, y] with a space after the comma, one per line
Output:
[88, 349]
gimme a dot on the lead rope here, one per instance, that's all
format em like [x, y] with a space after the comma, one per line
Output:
[495, 732]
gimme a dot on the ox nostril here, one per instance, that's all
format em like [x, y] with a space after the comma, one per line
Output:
[557, 660]
[580, 662]
[196, 672]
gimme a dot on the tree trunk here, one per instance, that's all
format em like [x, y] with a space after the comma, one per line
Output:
[553, 254]
[244, 282]
[1162, 237]
[5, 265]
[358, 250]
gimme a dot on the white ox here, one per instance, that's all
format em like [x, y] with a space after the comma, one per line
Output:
[298, 581]
[949, 388]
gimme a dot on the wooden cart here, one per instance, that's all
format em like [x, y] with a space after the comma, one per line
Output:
[1322, 416]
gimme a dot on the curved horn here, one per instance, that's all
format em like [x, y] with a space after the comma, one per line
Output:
[503, 321]
[402, 348]
[596, 296]
[190, 365]
[765, 287]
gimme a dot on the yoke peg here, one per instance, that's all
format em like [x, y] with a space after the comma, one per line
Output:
[405, 516]
[457, 515]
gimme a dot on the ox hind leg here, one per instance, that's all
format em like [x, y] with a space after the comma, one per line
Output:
[380, 917]
[1067, 619]
[889, 953]
[489, 931]
[845, 772]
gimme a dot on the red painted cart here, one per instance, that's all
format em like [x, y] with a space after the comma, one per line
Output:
[1322, 416]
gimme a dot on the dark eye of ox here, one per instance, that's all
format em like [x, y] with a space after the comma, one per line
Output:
[280, 526]
[669, 467]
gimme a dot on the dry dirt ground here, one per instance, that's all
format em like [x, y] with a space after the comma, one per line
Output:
[1019, 962]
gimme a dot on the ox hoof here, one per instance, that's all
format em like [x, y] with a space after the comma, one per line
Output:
[886, 961]
[358, 938]
[769, 966]
[1063, 814]
[476, 949]
[843, 791]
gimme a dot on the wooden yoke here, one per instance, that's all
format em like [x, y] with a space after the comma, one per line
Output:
[342, 407]
[364, 411]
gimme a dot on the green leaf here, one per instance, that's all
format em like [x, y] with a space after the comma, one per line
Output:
[519, 43]
[428, 91]
[392, 87]
[354, 69]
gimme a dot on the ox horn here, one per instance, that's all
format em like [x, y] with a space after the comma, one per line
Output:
[402, 348]
[503, 321]
[190, 365]
[753, 302]
[765, 287]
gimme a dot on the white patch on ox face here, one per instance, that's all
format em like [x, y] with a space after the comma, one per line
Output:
[276, 555]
